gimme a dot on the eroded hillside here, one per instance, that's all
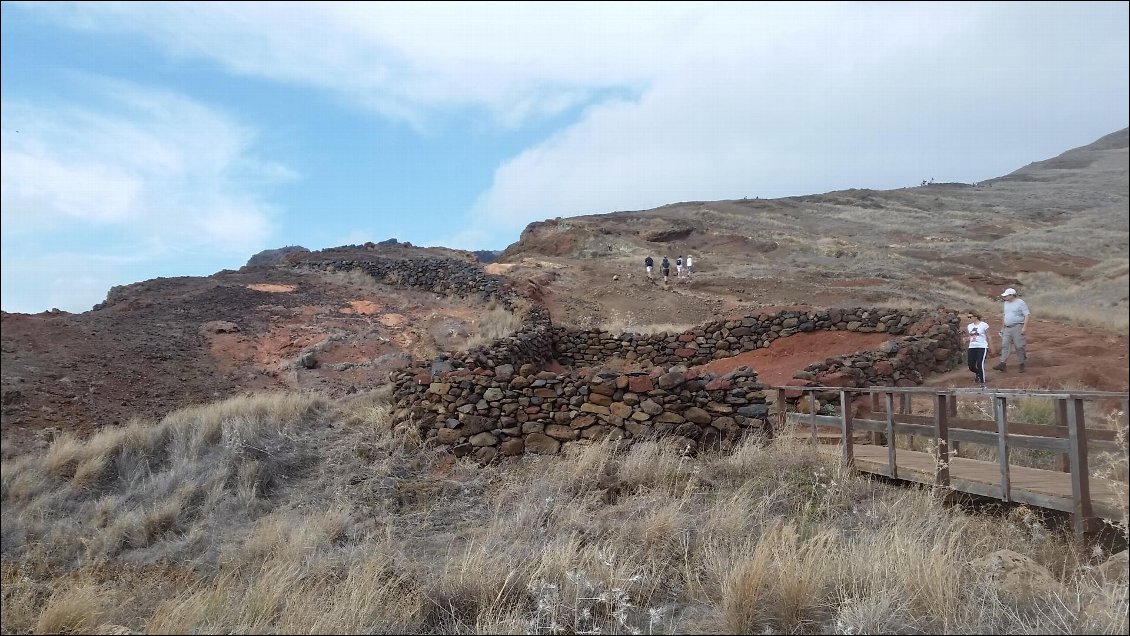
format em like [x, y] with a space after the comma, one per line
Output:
[1056, 229]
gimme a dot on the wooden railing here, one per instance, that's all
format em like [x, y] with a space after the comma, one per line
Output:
[1069, 438]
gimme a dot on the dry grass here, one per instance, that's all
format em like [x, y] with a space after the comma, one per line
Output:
[1097, 298]
[627, 322]
[225, 530]
[497, 323]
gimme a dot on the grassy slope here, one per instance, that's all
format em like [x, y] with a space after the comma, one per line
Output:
[291, 514]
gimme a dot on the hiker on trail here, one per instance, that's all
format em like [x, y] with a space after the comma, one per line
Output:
[647, 264]
[678, 266]
[977, 337]
[690, 265]
[1012, 334]
[665, 269]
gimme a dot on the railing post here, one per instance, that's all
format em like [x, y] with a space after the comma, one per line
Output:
[1062, 460]
[888, 398]
[942, 438]
[955, 445]
[782, 415]
[846, 427]
[1080, 473]
[812, 414]
[874, 435]
[1000, 412]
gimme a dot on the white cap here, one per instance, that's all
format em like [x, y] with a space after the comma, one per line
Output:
[1009, 292]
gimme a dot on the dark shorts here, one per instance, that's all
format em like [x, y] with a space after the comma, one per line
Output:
[666, 271]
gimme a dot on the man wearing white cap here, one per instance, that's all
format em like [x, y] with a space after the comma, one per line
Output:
[1015, 324]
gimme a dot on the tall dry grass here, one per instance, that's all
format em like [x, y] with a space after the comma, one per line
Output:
[628, 322]
[496, 323]
[295, 514]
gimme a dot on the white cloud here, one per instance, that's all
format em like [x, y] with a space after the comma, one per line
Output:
[147, 167]
[723, 99]
[36, 281]
[871, 96]
[411, 60]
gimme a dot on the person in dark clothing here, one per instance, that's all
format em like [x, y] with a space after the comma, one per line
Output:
[648, 263]
[665, 269]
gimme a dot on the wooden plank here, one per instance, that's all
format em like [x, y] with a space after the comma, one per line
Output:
[942, 438]
[1044, 488]
[1062, 461]
[874, 437]
[821, 421]
[1080, 473]
[974, 437]
[1000, 409]
[782, 415]
[812, 411]
[847, 433]
[915, 429]
[892, 462]
[1035, 430]
[1049, 444]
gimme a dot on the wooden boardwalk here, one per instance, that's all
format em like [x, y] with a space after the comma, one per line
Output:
[1070, 487]
[1032, 486]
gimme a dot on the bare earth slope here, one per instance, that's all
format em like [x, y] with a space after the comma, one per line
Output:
[1055, 229]
[155, 346]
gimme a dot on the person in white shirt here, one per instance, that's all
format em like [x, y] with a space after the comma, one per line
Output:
[1012, 334]
[977, 336]
[690, 265]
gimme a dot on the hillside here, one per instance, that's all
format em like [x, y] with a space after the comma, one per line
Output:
[1055, 229]
[328, 441]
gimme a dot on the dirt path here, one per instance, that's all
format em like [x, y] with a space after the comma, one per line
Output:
[1059, 357]
[776, 364]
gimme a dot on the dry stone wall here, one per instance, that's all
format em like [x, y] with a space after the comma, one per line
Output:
[499, 399]
[487, 412]
[922, 342]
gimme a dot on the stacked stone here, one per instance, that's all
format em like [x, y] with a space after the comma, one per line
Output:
[723, 339]
[446, 276]
[476, 403]
[487, 412]
[902, 362]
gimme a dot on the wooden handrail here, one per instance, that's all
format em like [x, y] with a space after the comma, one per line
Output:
[1069, 437]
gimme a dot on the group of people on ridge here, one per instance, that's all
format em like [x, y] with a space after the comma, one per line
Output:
[1014, 325]
[665, 266]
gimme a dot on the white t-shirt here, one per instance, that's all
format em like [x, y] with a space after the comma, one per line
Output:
[978, 335]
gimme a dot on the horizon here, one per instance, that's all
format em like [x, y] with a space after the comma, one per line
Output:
[145, 140]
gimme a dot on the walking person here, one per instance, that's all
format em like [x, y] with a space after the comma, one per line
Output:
[665, 269]
[690, 265]
[977, 336]
[648, 263]
[678, 267]
[1012, 334]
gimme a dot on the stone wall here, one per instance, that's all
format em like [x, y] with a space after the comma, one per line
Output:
[487, 412]
[922, 342]
[532, 343]
[500, 400]
[445, 276]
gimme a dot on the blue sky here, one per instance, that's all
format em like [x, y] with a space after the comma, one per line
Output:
[177, 139]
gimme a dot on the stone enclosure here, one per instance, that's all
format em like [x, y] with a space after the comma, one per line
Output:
[501, 400]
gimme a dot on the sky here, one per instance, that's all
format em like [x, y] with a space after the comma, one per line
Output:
[143, 140]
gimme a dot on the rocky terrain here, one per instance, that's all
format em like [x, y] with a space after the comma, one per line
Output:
[1055, 229]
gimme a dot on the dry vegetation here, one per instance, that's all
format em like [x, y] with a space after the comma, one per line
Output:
[296, 514]
[497, 323]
